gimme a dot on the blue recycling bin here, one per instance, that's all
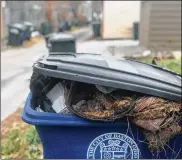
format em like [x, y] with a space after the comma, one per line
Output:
[66, 136]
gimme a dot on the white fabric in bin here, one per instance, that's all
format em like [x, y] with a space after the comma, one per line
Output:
[56, 95]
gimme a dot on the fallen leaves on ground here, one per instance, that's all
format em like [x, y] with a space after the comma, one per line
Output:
[18, 139]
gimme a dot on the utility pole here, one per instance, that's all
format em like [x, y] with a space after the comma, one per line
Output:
[49, 10]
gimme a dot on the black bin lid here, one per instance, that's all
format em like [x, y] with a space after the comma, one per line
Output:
[18, 26]
[107, 71]
[28, 24]
[61, 37]
[50, 35]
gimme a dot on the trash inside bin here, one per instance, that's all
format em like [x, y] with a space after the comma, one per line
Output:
[62, 43]
[16, 34]
[91, 83]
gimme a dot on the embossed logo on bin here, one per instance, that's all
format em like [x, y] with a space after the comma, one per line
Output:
[113, 146]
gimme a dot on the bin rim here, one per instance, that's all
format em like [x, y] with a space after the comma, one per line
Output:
[29, 115]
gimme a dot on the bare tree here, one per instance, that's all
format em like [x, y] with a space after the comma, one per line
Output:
[75, 6]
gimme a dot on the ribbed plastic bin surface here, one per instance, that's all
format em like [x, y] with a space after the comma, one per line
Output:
[71, 137]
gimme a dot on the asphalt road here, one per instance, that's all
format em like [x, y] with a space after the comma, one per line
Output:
[16, 70]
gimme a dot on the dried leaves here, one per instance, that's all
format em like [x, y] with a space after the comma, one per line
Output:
[157, 140]
[156, 111]
[158, 117]
[102, 107]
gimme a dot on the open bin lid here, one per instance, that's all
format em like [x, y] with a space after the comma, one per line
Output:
[107, 71]
[18, 26]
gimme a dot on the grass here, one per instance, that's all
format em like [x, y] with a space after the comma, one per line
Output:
[19, 140]
[171, 64]
[21, 144]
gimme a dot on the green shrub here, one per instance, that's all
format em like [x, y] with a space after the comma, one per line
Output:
[18, 144]
[171, 64]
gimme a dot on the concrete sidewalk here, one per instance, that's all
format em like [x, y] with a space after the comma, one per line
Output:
[115, 48]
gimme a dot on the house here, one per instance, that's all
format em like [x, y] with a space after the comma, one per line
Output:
[160, 25]
[118, 18]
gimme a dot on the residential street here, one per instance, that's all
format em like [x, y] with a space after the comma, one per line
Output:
[16, 69]
[16, 64]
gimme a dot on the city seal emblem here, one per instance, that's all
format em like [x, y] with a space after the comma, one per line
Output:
[113, 146]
